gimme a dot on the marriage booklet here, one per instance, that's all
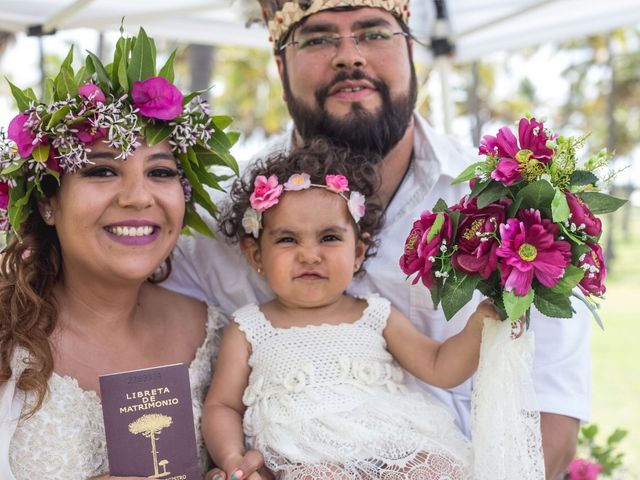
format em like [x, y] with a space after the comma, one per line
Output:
[148, 421]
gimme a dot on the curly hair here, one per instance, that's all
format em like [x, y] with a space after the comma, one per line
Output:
[30, 268]
[317, 158]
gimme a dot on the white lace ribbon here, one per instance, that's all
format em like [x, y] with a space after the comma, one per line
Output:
[505, 421]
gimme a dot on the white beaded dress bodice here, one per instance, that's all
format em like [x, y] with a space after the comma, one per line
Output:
[329, 401]
[65, 438]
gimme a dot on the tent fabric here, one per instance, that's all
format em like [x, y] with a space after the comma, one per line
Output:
[477, 27]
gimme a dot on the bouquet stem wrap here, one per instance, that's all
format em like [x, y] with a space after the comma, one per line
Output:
[505, 421]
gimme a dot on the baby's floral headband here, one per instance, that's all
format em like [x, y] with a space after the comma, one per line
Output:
[118, 104]
[267, 191]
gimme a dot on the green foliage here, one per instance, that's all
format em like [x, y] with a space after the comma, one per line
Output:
[606, 453]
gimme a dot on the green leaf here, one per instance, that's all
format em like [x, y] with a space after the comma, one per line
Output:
[552, 303]
[94, 65]
[514, 207]
[41, 153]
[22, 100]
[569, 234]
[493, 192]
[58, 116]
[468, 173]
[435, 227]
[457, 292]
[570, 279]
[19, 205]
[194, 220]
[221, 121]
[583, 177]
[538, 195]
[593, 308]
[65, 81]
[143, 60]
[440, 206]
[193, 95]
[478, 187]
[202, 195]
[49, 91]
[559, 207]
[167, 70]
[156, 133]
[233, 137]
[516, 305]
[601, 202]
[31, 94]
[436, 291]
[13, 167]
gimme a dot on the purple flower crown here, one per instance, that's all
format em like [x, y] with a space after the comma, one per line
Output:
[118, 104]
[267, 191]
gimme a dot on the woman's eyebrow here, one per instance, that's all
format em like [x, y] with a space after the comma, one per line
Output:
[101, 155]
[161, 156]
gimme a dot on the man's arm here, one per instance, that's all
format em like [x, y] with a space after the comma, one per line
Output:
[559, 438]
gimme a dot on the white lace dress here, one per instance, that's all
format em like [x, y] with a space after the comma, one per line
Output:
[329, 402]
[65, 438]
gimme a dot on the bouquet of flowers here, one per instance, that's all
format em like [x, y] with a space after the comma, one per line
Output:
[527, 232]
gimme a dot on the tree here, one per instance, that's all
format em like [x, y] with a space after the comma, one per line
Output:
[150, 427]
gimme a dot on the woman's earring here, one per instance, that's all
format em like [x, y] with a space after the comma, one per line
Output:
[356, 267]
[47, 215]
[259, 270]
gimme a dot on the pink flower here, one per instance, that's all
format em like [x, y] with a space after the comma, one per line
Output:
[88, 134]
[92, 92]
[266, 192]
[529, 248]
[507, 171]
[4, 195]
[157, 98]
[581, 469]
[514, 153]
[52, 161]
[337, 183]
[582, 217]
[595, 272]
[421, 247]
[22, 135]
[476, 246]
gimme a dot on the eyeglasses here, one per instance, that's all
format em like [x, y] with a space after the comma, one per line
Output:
[369, 40]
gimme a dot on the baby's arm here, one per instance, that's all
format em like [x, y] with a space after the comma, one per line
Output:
[443, 365]
[223, 408]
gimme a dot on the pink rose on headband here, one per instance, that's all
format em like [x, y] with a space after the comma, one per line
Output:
[157, 98]
[24, 137]
[92, 92]
[266, 192]
[337, 183]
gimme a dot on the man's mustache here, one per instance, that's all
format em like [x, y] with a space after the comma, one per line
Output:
[357, 74]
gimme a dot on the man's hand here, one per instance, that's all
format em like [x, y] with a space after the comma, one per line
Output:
[559, 439]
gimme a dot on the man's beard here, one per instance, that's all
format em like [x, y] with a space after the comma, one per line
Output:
[362, 131]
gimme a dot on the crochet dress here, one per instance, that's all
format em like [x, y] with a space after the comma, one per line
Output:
[65, 438]
[329, 402]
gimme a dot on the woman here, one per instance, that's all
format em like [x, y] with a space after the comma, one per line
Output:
[95, 198]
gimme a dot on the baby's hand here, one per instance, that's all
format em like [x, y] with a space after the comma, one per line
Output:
[250, 467]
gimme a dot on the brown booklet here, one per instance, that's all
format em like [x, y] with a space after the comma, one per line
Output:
[148, 421]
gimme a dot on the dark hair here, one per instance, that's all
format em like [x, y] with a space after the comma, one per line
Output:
[317, 158]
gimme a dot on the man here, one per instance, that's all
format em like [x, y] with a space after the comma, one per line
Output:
[347, 73]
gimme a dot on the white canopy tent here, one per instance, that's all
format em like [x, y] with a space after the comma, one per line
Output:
[474, 28]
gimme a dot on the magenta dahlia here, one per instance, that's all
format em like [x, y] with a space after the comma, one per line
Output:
[529, 248]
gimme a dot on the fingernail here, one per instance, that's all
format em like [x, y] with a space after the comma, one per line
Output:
[236, 475]
[217, 477]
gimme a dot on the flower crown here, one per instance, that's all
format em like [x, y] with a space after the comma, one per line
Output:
[117, 104]
[267, 191]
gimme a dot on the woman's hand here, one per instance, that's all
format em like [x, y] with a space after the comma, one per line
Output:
[250, 467]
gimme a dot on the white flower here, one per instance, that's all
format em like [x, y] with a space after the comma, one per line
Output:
[298, 181]
[252, 222]
[356, 205]
[297, 380]
[253, 391]
[367, 372]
